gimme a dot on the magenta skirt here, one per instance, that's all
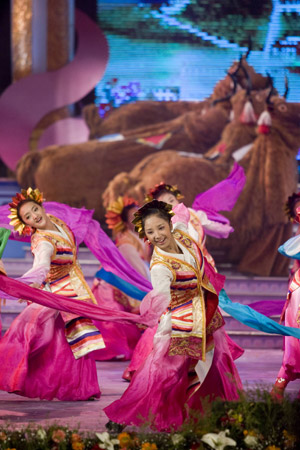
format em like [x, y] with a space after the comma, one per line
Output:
[290, 369]
[159, 391]
[120, 338]
[37, 362]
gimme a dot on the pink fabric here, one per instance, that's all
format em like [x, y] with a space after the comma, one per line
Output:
[158, 390]
[152, 306]
[216, 279]
[235, 350]
[182, 214]
[222, 380]
[120, 339]
[26, 101]
[142, 349]
[37, 362]
[290, 369]
[71, 130]
[88, 231]
[145, 346]
[221, 197]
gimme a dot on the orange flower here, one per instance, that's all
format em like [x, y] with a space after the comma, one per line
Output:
[289, 439]
[76, 437]
[125, 440]
[2, 436]
[58, 436]
[273, 447]
[149, 446]
[78, 445]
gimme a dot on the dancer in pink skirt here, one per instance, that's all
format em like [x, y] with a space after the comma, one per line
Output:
[199, 224]
[290, 369]
[190, 358]
[46, 353]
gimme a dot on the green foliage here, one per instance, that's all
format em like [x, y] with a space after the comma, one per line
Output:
[255, 421]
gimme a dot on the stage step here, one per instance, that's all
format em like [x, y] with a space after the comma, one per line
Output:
[240, 288]
[8, 188]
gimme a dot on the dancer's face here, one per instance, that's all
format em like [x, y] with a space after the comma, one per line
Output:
[34, 215]
[158, 232]
[169, 198]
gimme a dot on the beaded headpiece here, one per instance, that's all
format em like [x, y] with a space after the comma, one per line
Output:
[25, 194]
[114, 211]
[154, 204]
[161, 187]
[290, 204]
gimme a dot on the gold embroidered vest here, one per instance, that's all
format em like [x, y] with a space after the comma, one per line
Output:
[191, 291]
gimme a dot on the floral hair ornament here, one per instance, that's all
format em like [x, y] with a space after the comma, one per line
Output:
[290, 206]
[154, 204]
[162, 187]
[114, 212]
[26, 194]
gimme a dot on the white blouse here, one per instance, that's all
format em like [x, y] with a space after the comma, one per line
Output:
[42, 259]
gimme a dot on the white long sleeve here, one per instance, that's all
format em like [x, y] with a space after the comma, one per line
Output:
[222, 229]
[41, 264]
[161, 279]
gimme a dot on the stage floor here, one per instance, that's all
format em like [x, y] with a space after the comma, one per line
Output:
[256, 368]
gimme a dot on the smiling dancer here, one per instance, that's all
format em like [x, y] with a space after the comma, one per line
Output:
[190, 357]
[46, 354]
[199, 224]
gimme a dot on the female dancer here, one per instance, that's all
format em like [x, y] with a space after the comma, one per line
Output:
[45, 353]
[197, 226]
[290, 368]
[190, 357]
[121, 339]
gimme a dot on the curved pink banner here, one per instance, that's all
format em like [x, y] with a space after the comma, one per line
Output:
[25, 102]
[71, 130]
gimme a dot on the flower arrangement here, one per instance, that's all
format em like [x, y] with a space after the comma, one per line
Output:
[253, 423]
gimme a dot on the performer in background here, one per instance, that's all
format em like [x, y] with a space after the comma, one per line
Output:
[290, 368]
[190, 359]
[198, 223]
[121, 339]
[45, 353]
[292, 204]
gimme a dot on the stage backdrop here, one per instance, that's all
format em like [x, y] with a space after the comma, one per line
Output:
[179, 49]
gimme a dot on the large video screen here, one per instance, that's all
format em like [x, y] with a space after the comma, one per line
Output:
[179, 49]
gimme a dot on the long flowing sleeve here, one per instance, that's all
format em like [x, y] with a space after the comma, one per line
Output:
[161, 279]
[212, 227]
[291, 248]
[110, 257]
[132, 256]
[41, 264]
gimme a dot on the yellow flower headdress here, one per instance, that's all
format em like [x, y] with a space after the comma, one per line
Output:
[25, 194]
[114, 211]
[154, 204]
[161, 187]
